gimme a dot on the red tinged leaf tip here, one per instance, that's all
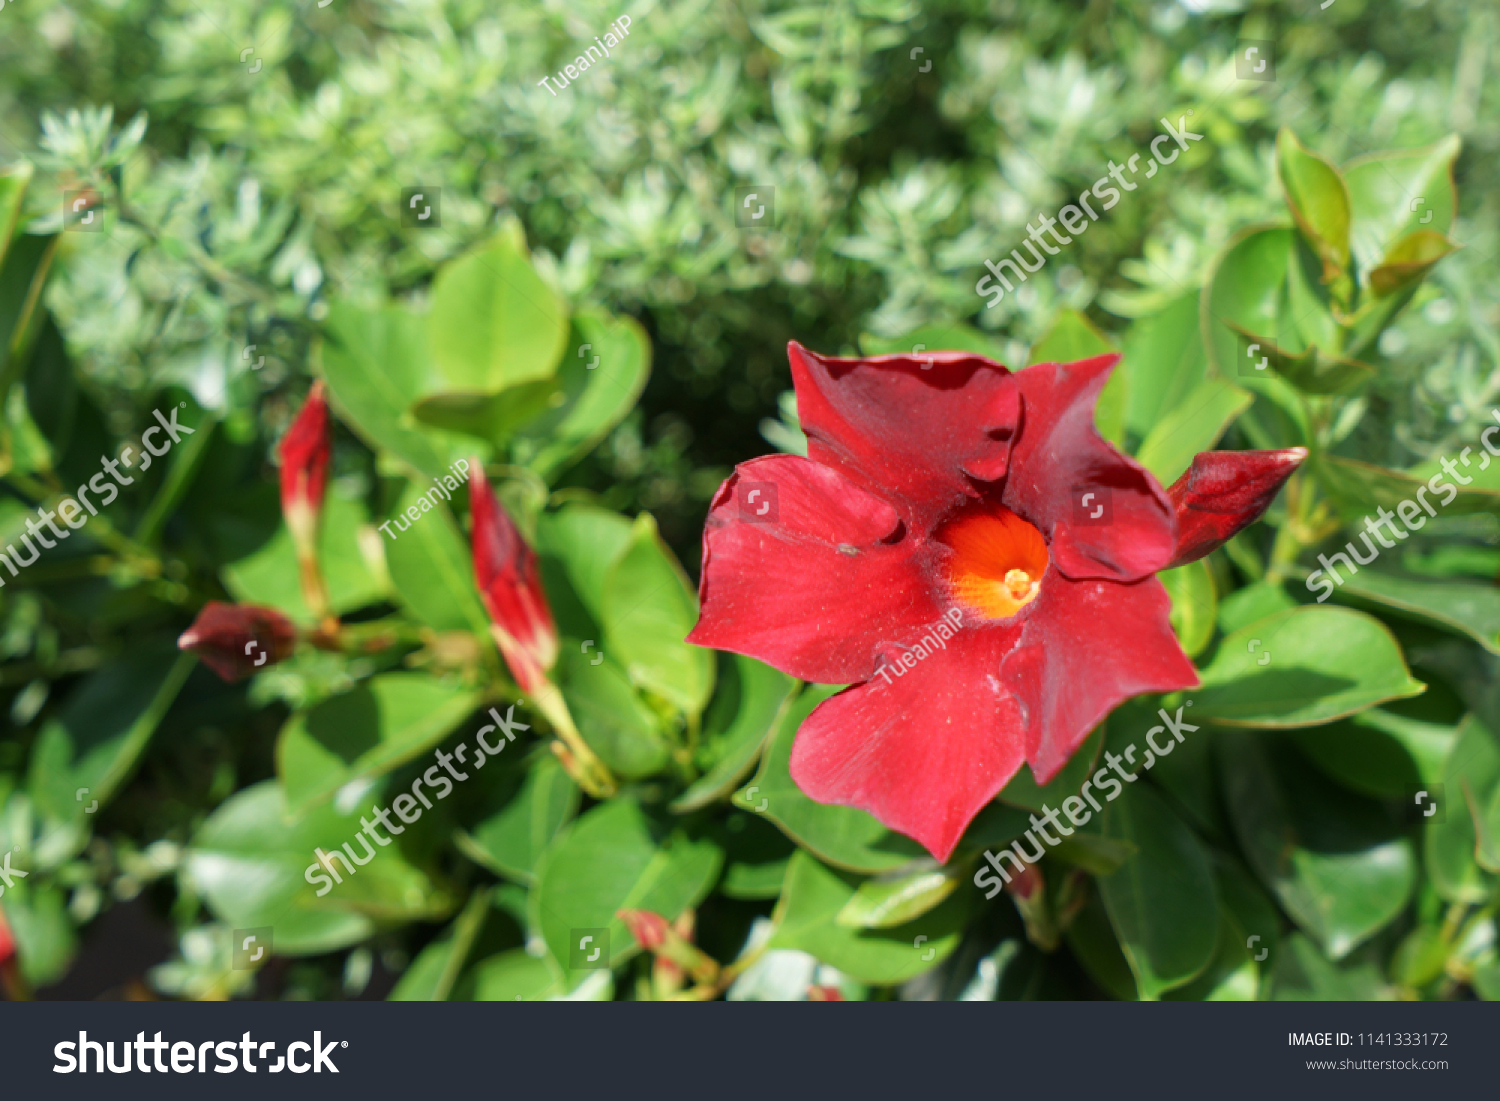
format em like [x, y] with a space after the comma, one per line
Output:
[304, 453]
[236, 640]
[1224, 492]
[964, 550]
[510, 584]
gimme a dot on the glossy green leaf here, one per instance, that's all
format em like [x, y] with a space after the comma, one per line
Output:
[756, 855]
[494, 322]
[1303, 973]
[1165, 359]
[430, 977]
[844, 836]
[1303, 667]
[1092, 941]
[1408, 260]
[815, 894]
[85, 753]
[1359, 488]
[510, 841]
[749, 699]
[1465, 608]
[1073, 337]
[1162, 903]
[1379, 753]
[512, 976]
[1395, 193]
[251, 861]
[618, 726]
[897, 898]
[648, 608]
[599, 380]
[583, 541]
[366, 732]
[1195, 605]
[1023, 791]
[1193, 426]
[1336, 862]
[489, 417]
[1471, 779]
[1318, 198]
[376, 364]
[270, 576]
[617, 856]
[430, 565]
[13, 182]
[45, 941]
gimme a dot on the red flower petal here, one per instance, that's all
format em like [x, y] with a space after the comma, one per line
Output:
[1058, 456]
[235, 640]
[510, 584]
[925, 752]
[1223, 492]
[811, 586]
[907, 427]
[1087, 646]
[304, 453]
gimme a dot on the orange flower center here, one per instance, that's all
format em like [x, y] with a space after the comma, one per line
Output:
[998, 562]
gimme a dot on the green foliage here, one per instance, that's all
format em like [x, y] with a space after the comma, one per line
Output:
[590, 325]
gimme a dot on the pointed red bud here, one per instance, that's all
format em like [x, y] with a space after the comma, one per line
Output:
[235, 640]
[304, 453]
[648, 929]
[1223, 492]
[510, 584]
[824, 994]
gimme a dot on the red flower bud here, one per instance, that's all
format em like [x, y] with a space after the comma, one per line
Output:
[7, 941]
[824, 994]
[304, 455]
[648, 929]
[511, 586]
[234, 640]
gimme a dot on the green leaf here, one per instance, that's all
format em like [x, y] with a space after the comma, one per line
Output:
[648, 608]
[618, 857]
[90, 748]
[1396, 193]
[512, 976]
[1304, 974]
[250, 860]
[1465, 608]
[1471, 778]
[1379, 753]
[1165, 359]
[270, 575]
[1311, 370]
[366, 732]
[431, 976]
[376, 364]
[934, 338]
[749, 699]
[510, 842]
[494, 322]
[1319, 201]
[1191, 427]
[430, 566]
[490, 417]
[756, 855]
[813, 897]
[1162, 902]
[844, 836]
[618, 726]
[1357, 488]
[1408, 260]
[1023, 791]
[598, 382]
[897, 898]
[1092, 941]
[1073, 337]
[582, 542]
[13, 181]
[1340, 868]
[1252, 604]
[1303, 667]
[1092, 852]
[46, 943]
[1195, 605]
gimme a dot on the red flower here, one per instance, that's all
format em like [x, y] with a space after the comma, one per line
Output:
[235, 640]
[7, 941]
[304, 456]
[511, 586]
[963, 548]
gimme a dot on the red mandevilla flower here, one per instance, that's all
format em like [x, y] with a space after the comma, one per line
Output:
[940, 491]
[234, 640]
[511, 586]
[304, 454]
